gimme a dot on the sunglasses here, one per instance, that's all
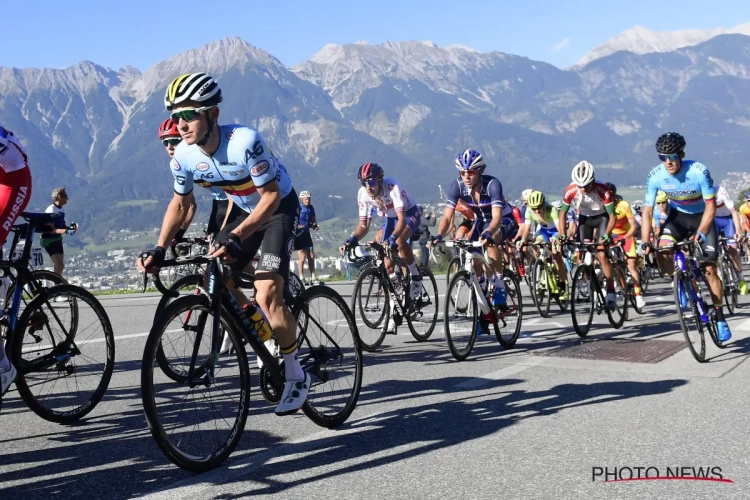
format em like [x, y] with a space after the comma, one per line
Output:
[188, 115]
[468, 173]
[171, 142]
[670, 157]
[370, 183]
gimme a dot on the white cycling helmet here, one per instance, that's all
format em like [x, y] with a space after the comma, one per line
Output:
[583, 174]
[557, 204]
[525, 194]
[305, 194]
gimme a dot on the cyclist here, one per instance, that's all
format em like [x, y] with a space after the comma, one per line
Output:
[660, 215]
[727, 221]
[692, 207]
[595, 212]
[624, 234]
[237, 160]
[745, 217]
[386, 197]
[15, 193]
[303, 240]
[220, 206]
[549, 225]
[493, 221]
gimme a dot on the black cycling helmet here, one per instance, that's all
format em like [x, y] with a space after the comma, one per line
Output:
[612, 188]
[670, 143]
[370, 171]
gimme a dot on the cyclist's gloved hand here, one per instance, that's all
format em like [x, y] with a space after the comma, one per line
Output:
[437, 239]
[350, 242]
[700, 237]
[151, 260]
[607, 238]
[232, 245]
[487, 236]
[392, 243]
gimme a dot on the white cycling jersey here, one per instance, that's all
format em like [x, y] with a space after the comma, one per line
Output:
[724, 203]
[12, 155]
[394, 199]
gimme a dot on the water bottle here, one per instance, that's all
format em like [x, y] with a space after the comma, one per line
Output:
[259, 320]
[4, 284]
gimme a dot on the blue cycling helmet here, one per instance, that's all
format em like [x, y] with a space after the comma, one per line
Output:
[470, 160]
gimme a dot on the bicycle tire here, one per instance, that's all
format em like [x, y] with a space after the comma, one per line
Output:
[620, 283]
[540, 273]
[66, 367]
[681, 281]
[579, 279]
[358, 309]
[314, 412]
[410, 320]
[514, 300]
[464, 277]
[182, 459]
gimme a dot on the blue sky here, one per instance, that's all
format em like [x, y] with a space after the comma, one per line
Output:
[56, 34]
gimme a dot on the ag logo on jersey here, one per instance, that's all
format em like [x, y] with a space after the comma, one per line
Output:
[202, 167]
[175, 165]
[256, 152]
[259, 168]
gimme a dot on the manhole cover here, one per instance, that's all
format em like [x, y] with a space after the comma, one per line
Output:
[632, 351]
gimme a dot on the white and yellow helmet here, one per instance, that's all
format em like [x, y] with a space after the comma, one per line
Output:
[305, 194]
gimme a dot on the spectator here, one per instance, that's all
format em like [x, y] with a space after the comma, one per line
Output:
[425, 222]
[303, 240]
[52, 242]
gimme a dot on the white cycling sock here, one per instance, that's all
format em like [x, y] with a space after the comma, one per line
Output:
[292, 368]
[413, 268]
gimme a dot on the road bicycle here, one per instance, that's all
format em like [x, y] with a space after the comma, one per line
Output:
[690, 287]
[544, 281]
[62, 344]
[467, 305]
[587, 294]
[728, 276]
[620, 261]
[198, 419]
[376, 299]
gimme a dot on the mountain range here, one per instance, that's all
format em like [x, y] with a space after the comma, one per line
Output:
[411, 106]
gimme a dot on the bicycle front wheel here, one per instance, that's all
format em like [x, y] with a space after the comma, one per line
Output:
[618, 316]
[453, 266]
[690, 320]
[371, 307]
[330, 351]
[64, 350]
[582, 300]
[461, 315]
[423, 313]
[727, 274]
[197, 423]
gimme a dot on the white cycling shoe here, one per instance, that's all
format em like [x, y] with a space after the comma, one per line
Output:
[640, 303]
[7, 378]
[293, 397]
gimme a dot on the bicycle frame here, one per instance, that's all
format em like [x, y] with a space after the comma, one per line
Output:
[484, 306]
[693, 272]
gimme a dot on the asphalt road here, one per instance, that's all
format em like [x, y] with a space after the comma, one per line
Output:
[516, 423]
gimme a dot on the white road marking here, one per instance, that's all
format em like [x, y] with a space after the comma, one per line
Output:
[499, 374]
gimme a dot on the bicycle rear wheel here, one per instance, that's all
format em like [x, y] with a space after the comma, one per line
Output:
[64, 350]
[371, 304]
[460, 307]
[726, 273]
[540, 291]
[330, 351]
[689, 317]
[619, 315]
[196, 427]
[582, 297]
[422, 315]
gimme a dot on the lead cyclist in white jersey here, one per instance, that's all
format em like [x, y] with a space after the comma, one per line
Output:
[237, 160]
[384, 196]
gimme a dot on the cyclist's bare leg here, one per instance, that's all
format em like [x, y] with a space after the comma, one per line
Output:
[301, 262]
[665, 259]
[714, 283]
[734, 254]
[269, 294]
[633, 268]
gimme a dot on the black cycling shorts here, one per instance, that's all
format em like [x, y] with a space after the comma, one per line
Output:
[587, 224]
[274, 239]
[680, 226]
[303, 241]
[54, 248]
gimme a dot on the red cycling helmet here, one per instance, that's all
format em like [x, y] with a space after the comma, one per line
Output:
[168, 128]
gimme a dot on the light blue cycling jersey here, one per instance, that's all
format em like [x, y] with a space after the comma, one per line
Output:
[240, 165]
[688, 191]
